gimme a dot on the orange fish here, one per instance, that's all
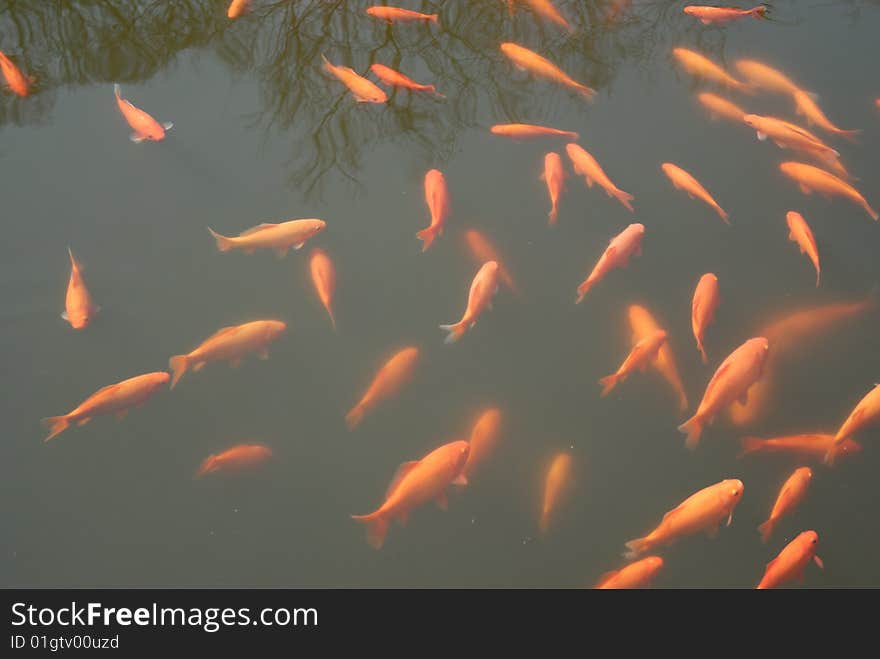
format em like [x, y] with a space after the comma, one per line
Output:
[415, 483]
[242, 456]
[483, 287]
[761, 76]
[639, 574]
[813, 446]
[731, 382]
[388, 381]
[237, 8]
[877, 103]
[528, 60]
[642, 323]
[546, 10]
[701, 512]
[528, 131]
[720, 107]
[16, 80]
[789, 136]
[586, 164]
[279, 237]
[616, 255]
[482, 250]
[116, 399]
[363, 90]
[708, 15]
[143, 125]
[681, 180]
[324, 279]
[864, 414]
[642, 354]
[809, 109]
[437, 198]
[555, 485]
[484, 437]
[811, 179]
[395, 14]
[78, 305]
[799, 232]
[792, 561]
[703, 309]
[554, 177]
[792, 493]
[228, 344]
[394, 78]
[702, 67]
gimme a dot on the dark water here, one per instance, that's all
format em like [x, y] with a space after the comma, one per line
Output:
[261, 134]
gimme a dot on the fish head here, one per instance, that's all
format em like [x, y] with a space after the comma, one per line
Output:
[731, 492]
[79, 319]
[459, 452]
[377, 96]
[275, 328]
[160, 379]
[751, 120]
[809, 540]
[849, 447]
[317, 226]
[652, 563]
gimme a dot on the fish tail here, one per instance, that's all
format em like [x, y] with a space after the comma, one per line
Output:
[377, 528]
[427, 237]
[723, 214]
[456, 331]
[117, 90]
[693, 428]
[765, 530]
[552, 215]
[354, 417]
[582, 291]
[224, 244]
[434, 18]
[874, 215]
[608, 383]
[850, 135]
[830, 455]
[750, 445]
[702, 352]
[624, 198]
[587, 92]
[818, 274]
[760, 12]
[179, 364]
[328, 67]
[433, 90]
[332, 319]
[56, 425]
[208, 465]
[637, 547]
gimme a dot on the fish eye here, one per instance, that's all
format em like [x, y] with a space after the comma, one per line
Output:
[734, 492]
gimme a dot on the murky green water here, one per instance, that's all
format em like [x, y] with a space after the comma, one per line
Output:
[261, 134]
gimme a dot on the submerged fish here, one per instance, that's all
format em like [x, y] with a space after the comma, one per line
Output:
[708, 15]
[396, 79]
[528, 60]
[279, 237]
[792, 561]
[483, 288]
[554, 177]
[642, 323]
[638, 574]
[437, 199]
[682, 180]
[799, 232]
[585, 164]
[792, 493]
[555, 486]
[484, 437]
[78, 305]
[482, 250]
[617, 255]
[528, 131]
[324, 280]
[143, 125]
[17, 81]
[703, 309]
[242, 456]
[641, 355]
[702, 67]
[388, 381]
[363, 90]
[810, 179]
[396, 14]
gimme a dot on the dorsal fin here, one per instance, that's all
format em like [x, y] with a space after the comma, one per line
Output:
[399, 475]
[259, 227]
[105, 390]
[671, 513]
[220, 332]
[718, 375]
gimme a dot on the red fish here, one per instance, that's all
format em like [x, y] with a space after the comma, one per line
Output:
[143, 125]
[641, 355]
[483, 287]
[616, 255]
[242, 456]
[703, 309]
[792, 561]
[394, 78]
[16, 80]
[554, 177]
[437, 198]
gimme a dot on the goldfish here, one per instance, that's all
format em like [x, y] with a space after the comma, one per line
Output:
[394, 78]
[877, 103]
[554, 177]
[742, 368]
[388, 381]
[279, 237]
[414, 484]
[237, 8]
[586, 164]
[616, 255]
[811, 179]
[527, 131]
[16, 80]
[764, 77]
[484, 437]
[228, 344]
[324, 279]
[792, 493]
[802, 236]
[437, 198]
[791, 561]
[812, 445]
[363, 90]
[78, 305]
[482, 250]
[395, 14]
[721, 107]
[556, 483]
[642, 324]
[682, 180]
[238, 457]
[527, 60]
[788, 136]
[703, 309]
[546, 10]
[708, 15]
[702, 511]
[483, 287]
[702, 67]
[143, 125]
[809, 109]
[116, 399]
[864, 414]
[639, 574]
[642, 354]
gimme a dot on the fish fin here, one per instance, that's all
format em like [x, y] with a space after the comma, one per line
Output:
[427, 237]
[84, 421]
[56, 425]
[672, 512]
[256, 229]
[399, 475]
[608, 383]
[377, 529]
[229, 329]
[263, 353]
[65, 316]
[136, 138]
[636, 547]
[456, 331]
[198, 367]
[762, 136]
[443, 501]
[693, 428]
[298, 245]
[235, 362]
[461, 479]
[804, 189]
[590, 182]
[766, 529]
[281, 252]
[729, 519]
[167, 125]
[702, 350]
[121, 414]
[625, 198]
[178, 365]
[117, 90]
[224, 244]
[818, 562]
[354, 417]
